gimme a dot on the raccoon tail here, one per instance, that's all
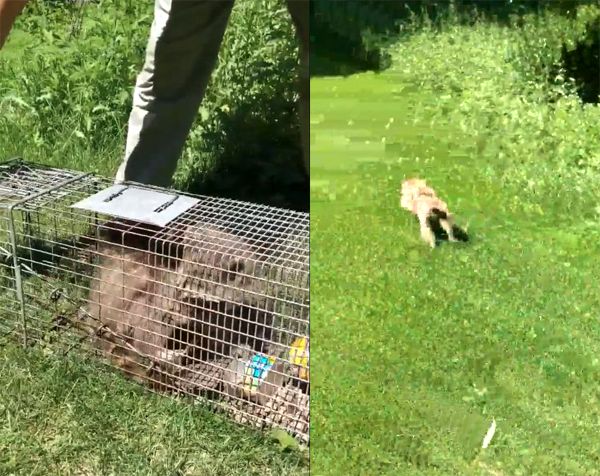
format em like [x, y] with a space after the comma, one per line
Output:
[459, 233]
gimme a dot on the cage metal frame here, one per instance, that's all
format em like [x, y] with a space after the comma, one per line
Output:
[238, 293]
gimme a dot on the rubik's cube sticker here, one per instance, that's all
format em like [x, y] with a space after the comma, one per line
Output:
[256, 371]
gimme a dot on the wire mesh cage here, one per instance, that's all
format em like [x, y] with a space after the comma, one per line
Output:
[189, 295]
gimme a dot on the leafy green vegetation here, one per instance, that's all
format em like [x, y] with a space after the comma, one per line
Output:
[349, 36]
[419, 350]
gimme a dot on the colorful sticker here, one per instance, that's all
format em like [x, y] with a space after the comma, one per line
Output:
[299, 356]
[256, 370]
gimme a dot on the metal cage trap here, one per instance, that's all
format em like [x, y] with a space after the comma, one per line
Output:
[189, 295]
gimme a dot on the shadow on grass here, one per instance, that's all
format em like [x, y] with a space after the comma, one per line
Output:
[583, 64]
[334, 55]
[259, 160]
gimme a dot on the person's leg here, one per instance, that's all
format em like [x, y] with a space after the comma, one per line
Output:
[299, 11]
[9, 11]
[182, 51]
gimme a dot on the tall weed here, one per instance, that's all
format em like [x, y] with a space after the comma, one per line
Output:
[245, 141]
[66, 97]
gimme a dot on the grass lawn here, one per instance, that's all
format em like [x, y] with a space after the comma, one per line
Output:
[68, 417]
[416, 351]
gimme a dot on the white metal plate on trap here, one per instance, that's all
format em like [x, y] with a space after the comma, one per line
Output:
[138, 204]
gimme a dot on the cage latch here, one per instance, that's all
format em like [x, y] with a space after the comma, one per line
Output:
[165, 205]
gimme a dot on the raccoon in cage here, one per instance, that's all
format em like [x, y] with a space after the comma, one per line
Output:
[157, 306]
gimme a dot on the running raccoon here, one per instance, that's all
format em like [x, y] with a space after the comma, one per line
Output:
[434, 217]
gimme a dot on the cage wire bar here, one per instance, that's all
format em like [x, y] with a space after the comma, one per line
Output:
[213, 305]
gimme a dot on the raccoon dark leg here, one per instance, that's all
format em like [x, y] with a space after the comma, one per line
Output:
[448, 226]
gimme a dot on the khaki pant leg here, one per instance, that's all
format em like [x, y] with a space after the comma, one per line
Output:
[181, 53]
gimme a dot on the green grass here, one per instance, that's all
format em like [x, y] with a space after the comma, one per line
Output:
[416, 351]
[65, 416]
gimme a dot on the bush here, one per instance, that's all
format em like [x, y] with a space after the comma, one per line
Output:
[356, 32]
[245, 142]
[545, 43]
[69, 96]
